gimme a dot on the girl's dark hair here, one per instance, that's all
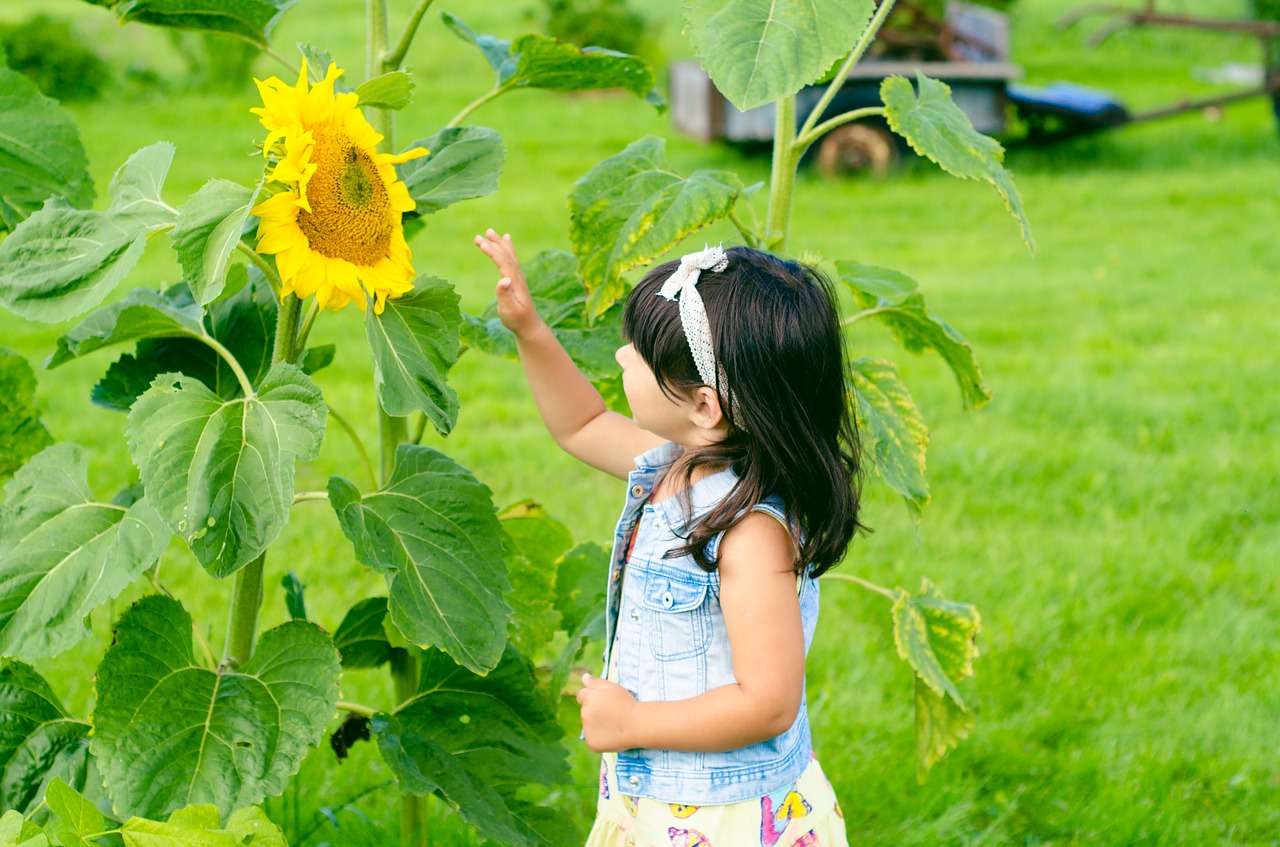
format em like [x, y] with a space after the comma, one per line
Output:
[776, 333]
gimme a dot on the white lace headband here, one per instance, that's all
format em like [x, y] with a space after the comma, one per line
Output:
[693, 316]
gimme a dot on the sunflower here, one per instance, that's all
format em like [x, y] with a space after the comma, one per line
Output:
[333, 222]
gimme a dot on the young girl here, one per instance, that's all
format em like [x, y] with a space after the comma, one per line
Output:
[742, 488]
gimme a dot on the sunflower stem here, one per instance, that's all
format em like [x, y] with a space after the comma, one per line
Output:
[246, 602]
[413, 824]
[300, 343]
[393, 59]
[857, 580]
[263, 265]
[286, 329]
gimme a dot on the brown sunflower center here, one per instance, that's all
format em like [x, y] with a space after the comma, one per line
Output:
[350, 215]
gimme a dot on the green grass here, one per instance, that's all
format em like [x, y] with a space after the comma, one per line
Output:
[1113, 512]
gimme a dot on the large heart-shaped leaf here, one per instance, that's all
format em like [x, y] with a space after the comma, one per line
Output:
[40, 152]
[560, 297]
[63, 261]
[759, 51]
[414, 343]
[245, 324]
[206, 233]
[892, 432]
[168, 731]
[39, 740]
[221, 471]
[937, 638]
[464, 164]
[22, 435]
[62, 553]
[936, 128]
[142, 313]
[893, 300]
[632, 208]
[580, 595]
[248, 20]
[432, 532]
[474, 740]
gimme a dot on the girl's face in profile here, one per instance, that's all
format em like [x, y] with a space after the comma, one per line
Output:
[650, 407]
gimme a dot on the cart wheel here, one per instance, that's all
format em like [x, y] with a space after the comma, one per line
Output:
[857, 148]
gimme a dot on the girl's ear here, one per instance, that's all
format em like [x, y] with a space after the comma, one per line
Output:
[706, 413]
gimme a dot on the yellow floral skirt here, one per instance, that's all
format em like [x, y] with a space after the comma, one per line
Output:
[805, 814]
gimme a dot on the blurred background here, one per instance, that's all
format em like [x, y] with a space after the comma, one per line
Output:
[1113, 512]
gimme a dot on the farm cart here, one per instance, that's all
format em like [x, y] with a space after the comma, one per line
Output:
[968, 49]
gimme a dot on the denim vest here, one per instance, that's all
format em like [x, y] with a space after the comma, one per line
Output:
[672, 643]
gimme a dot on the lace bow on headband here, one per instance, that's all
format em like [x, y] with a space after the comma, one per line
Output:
[683, 284]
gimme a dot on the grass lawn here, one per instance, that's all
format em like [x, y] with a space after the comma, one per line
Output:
[1113, 512]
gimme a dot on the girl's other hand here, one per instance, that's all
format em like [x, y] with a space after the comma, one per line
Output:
[515, 304]
[606, 713]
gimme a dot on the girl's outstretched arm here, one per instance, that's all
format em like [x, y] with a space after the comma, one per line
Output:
[569, 404]
[762, 616]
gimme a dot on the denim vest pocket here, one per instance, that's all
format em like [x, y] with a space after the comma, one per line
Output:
[678, 618]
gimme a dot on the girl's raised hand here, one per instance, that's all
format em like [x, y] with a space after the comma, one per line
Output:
[606, 714]
[515, 304]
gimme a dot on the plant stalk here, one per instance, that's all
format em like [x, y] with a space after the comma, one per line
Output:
[868, 35]
[246, 602]
[782, 175]
[413, 809]
[246, 592]
[391, 62]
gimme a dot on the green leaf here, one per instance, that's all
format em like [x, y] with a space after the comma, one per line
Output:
[937, 638]
[248, 20]
[414, 343]
[496, 51]
[560, 297]
[62, 261]
[917, 329]
[257, 830]
[580, 598]
[22, 435]
[464, 163]
[206, 233]
[937, 129]
[15, 831]
[40, 152]
[893, 434]
[760, 51]
[632, 208]
[474, 740]
[142, 313]
[318, 62]
[221, 471]
[535, 541]
[140, 832]
[63, 554]
[432, 532]
[244, 323]
[39, 740]
[78, 816]
[392, 90]
[539, 61]
[295, 599]
[169, 732]
[361, 637]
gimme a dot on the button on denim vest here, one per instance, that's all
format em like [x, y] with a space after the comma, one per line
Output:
[672, 643]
